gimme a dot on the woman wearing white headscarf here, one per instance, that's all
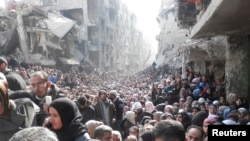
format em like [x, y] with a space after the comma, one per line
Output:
[149, 106]
[128, 122]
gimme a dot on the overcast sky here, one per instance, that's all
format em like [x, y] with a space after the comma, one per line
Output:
[1, 3]
[146, 12]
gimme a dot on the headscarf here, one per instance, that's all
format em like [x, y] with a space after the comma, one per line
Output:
[145, 119]
[226, 112]
[72, 127]
[231, 98]
[211, 121]
[130, 116]
[229, 122]
[91, 125]
[136, 106]
[149, 106]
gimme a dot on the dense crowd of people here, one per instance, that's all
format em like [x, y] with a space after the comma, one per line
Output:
[47, 104]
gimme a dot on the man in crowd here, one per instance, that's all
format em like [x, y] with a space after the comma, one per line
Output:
[40, 88]
[194, 133]
[119, 105]
[105, 109]
[134, 130]
[85, 108]
[169, 130]
[103, 133]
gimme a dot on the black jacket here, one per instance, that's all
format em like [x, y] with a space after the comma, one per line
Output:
[87, 113]
[27, 94]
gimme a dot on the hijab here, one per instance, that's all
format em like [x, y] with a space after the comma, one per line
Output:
[149, 106]
[91, 125]
[130, 116]
[72, 128]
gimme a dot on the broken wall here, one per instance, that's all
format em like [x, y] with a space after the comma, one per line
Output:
[76, 10]
[238, 65]
[171, 37]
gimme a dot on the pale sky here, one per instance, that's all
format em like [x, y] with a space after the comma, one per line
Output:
[1, 3]
[146, 12]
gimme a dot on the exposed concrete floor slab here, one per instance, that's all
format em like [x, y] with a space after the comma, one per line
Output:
[223, 17]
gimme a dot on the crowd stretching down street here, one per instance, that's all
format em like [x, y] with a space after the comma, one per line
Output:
[45, 104]
[99, 70]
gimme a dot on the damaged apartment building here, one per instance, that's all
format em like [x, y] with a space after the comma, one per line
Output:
[93, 33]
[212, 35]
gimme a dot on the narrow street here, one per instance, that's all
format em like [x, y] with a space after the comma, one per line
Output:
[124, 70]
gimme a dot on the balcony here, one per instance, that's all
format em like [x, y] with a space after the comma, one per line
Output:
[223, 17]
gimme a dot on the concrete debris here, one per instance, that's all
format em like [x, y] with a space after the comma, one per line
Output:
[58, 24]
[87, 31]
[70, 61]
[40, 35]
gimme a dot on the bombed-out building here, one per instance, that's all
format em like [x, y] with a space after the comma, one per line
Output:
[93, 33]
[214, 37]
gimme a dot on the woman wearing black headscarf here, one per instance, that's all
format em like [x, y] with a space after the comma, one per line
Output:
[65, 121]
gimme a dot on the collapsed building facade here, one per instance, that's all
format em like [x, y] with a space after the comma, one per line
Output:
[209, 35]
[62, 33]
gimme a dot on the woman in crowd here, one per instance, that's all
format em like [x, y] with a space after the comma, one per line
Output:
[206, 122]
[149, 107]
[184, 119]
[91, 125]
[212, 109]
[128, 122]
[154, 91]
[65, 121]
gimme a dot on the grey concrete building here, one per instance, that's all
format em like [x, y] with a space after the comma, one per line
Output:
[66, 33]
[170, 37]
[218, 35]
[229, 18]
